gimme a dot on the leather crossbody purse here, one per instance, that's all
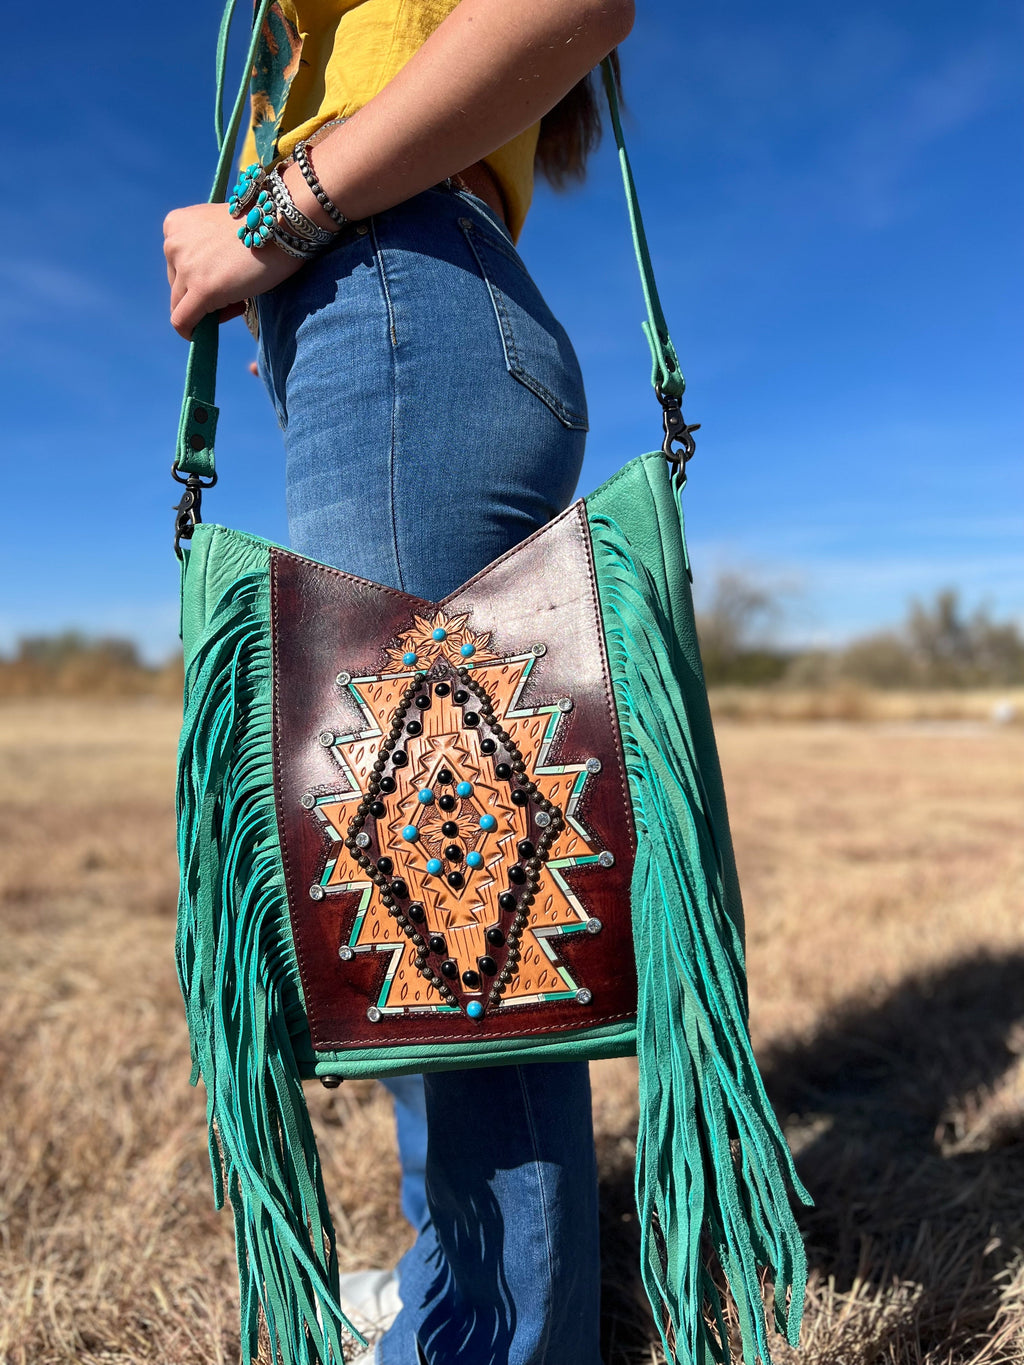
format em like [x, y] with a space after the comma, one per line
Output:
[423, 835]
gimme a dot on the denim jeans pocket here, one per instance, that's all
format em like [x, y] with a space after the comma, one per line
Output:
[538, 352]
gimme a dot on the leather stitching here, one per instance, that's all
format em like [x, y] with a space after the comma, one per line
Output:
[613, 715]
[587, 1021]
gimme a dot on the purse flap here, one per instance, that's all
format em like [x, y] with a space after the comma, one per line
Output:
[452, 801]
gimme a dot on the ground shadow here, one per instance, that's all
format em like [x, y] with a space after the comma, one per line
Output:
[916, 1174]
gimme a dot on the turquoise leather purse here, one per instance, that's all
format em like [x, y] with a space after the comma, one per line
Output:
[418, 836]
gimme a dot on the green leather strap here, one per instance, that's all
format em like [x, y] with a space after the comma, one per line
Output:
[198, 424]
[666, 375]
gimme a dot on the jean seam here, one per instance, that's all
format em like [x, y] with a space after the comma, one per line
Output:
[543, 1209]
[393, 435]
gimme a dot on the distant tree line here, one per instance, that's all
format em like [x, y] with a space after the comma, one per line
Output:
[74, 665]
[938, 645]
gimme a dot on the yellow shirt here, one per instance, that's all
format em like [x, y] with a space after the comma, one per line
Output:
[324, 59]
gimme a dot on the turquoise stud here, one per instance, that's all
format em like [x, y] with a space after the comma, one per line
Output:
[467, 650]
[425, 795]
[475, 1010]
[488, 822]
[464, 789]
[474, 859]
[409, 657]
[434, 866]
[410, 833]
[440, 633]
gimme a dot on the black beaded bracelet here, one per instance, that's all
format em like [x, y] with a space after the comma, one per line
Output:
[305, 165]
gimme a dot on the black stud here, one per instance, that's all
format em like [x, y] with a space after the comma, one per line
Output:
[495, 937]
[449, 829]
[446, 802]
[399, 758]
[416, 912]
[503, 771]
[450, 969]
[470, 718]
[459, 696]
[455, 880]
[442, 689]
[423, 702]
[414, 728]
[453, 852]
[487, 746]
[518, 798]
[387, 785]
[386, 866]
[507, 901]
[487, 965]
[516, 875]
[526, 849]
[445, 777]
[378, 809]
[399, 888]
[471, 980]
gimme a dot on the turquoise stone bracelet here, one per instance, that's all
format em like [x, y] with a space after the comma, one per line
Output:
[249, 182]
[259, 222]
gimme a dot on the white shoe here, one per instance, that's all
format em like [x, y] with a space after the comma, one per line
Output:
[371, 1302]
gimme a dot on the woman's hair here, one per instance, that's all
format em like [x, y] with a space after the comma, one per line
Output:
[571, 130]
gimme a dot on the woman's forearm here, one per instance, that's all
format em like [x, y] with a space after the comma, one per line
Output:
[491, 69]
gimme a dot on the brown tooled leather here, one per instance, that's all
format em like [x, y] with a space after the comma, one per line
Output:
[327, 623]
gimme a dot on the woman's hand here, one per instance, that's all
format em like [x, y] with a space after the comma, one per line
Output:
[210, 271]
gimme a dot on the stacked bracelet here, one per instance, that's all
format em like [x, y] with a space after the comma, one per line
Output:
[263, 201]
[305, 165]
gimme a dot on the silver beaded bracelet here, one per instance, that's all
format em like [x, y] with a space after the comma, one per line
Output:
[305, 165]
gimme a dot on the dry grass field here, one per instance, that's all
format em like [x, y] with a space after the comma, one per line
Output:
[883, 866]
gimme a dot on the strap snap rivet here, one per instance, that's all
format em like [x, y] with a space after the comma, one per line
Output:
[564, 703]
[346, 953]
[594, 926]
[196, 441]
[538, 649]
[316, 892]
[374, 1015]
[606, 858]
[343, 679]
[307, 801]
[199, 414]
[543, 819]
[584, 996]
[362, 229]
[330, 1082]
[362, 839]
[326, 738]
[593, 765]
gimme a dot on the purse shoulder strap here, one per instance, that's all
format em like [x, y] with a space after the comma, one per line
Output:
[194, 463]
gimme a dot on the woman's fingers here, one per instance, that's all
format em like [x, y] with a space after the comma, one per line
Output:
[187, 313]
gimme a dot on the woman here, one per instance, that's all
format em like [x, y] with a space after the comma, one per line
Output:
[433, 416]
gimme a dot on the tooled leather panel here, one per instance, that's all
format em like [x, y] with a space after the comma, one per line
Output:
[506, 855]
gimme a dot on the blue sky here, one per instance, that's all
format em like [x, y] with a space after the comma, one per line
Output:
[833, 196]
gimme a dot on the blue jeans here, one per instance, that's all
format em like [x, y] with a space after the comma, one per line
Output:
[433, 416]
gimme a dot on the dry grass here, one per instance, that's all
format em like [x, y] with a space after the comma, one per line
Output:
[882, 867]
[849, 701]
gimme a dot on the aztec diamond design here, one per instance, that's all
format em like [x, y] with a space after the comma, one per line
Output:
[454, 829]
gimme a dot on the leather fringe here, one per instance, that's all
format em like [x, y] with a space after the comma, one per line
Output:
[712, 1163]
[238, 979]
